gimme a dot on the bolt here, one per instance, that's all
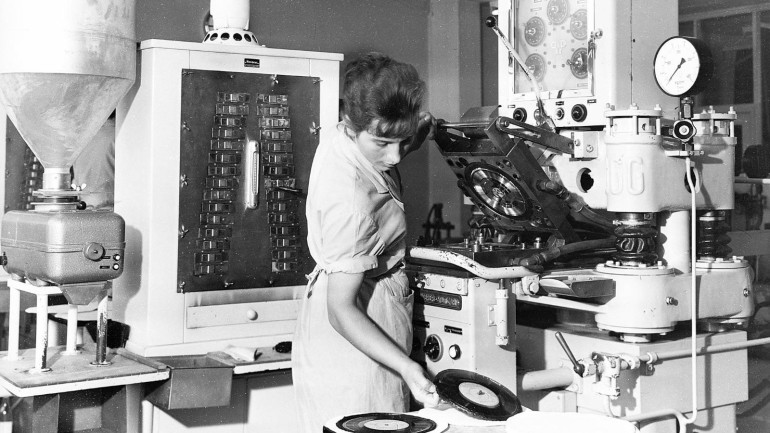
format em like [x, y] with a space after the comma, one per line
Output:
[670, 300]
[590, 148]
[746, 292]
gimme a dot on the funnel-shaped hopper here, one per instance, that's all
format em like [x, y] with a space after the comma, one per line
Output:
[67, 64]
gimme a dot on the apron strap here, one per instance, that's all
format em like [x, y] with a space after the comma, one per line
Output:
[311, 279]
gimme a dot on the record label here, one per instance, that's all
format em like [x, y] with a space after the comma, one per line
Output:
[386, 422]
[478, 394]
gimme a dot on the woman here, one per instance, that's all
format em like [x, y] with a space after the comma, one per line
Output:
[354, 331]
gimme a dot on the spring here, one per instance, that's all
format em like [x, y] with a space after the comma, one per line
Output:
[712, 241]
[635, 240]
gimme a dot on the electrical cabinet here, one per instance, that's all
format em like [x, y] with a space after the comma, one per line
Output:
[213, 152]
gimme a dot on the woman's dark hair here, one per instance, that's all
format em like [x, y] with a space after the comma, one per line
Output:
[379, 88]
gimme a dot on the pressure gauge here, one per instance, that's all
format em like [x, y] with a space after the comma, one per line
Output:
[683, 66]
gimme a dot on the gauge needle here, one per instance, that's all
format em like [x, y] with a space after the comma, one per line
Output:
[677, 68]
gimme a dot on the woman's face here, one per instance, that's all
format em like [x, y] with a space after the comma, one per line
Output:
[383, 153]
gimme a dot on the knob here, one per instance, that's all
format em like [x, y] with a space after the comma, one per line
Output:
[94, 251]
[684, 129]
[251, 314]
[579, 112]
[490, 22]
[454, 351]
[432, 348]
[520, 114]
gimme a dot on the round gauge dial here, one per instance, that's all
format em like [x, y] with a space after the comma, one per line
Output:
[578, 63]
[683, 66]
[578, 24]
[534, 31]
[558, 11]
[536, 65]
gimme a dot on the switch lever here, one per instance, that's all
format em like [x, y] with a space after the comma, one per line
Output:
[576, 366]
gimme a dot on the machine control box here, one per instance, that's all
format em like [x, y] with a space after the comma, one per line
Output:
[64, 247]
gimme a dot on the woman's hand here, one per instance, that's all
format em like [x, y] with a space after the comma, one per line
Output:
[354, 325]
[426, 128]
[424, 390]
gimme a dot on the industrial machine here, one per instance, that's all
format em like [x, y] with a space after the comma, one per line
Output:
[602, 199]
[58, 93]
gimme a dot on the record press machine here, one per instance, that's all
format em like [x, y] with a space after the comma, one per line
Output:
[597, 277]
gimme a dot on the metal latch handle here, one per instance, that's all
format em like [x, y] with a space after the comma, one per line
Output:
[253, 165]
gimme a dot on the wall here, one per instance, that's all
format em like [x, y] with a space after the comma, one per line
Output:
[699, 6]
[454, 41]
[396, 27]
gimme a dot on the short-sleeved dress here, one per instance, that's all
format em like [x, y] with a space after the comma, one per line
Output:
[356, 224]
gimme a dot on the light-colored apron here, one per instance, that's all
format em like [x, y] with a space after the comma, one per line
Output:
[331, 377]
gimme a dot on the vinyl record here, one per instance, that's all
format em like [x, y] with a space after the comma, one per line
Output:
[477, 395]
[385, 422]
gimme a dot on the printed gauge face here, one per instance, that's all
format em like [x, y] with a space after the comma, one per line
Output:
[558, 11]
[683, 66]
[536, 65]
[534, 31]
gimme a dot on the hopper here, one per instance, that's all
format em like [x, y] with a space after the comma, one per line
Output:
[66, 65]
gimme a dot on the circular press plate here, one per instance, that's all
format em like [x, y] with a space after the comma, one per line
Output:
[496, 190]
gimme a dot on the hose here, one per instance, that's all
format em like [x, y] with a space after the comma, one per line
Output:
[554, 252]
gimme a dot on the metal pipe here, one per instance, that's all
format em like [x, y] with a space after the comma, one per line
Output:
[764, 181]
[101, 333]
[41, 334]
[694, 185]
[662, 413]
[147, 417]
[72, 329]
[463, 125]
[718, 348]
[452, 258]
[501, 314]
[13, 323]
[555, 378]
[553, 301]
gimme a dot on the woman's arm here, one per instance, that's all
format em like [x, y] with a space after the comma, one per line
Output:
[353, 324]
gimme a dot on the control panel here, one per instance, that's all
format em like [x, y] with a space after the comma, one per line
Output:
[578, 56]
[244, 169]
[452, 315]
